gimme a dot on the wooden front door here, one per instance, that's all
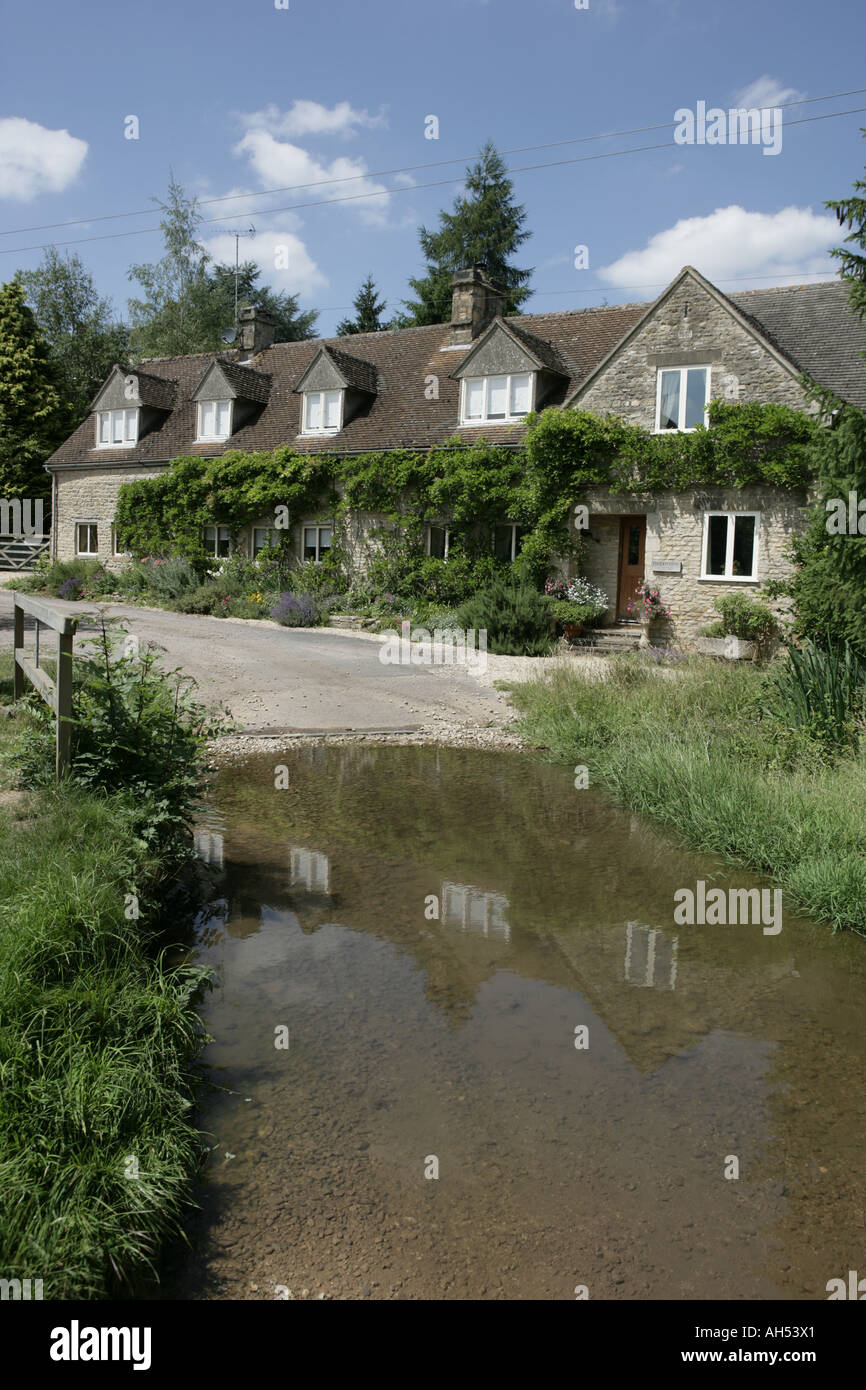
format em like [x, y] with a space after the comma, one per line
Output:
[632, 543]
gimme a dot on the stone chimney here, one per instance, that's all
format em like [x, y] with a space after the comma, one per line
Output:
[257, 329]
[474, 302]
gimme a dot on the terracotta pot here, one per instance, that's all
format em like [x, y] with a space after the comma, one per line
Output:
[572, 630]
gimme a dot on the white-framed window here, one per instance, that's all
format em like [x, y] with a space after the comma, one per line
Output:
[507, 540]
[496, 399]
[438, 541]
[117, 429]
[116, 548]
[317, 542]
[730, 545]
[263, 536]
[214, 420]
[682, 396]
[323, 412]
[86, 538]
[218, 541]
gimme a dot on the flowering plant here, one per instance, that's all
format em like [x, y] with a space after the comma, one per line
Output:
[647, 604]
[556, 588]
[588, 595]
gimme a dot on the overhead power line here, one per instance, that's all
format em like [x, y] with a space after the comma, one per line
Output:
[404, 169]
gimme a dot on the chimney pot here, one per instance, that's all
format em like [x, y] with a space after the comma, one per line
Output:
[258, 329]
[475, 302]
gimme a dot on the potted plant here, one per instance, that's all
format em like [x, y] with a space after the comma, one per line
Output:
[574, 604]
[746, 630]
[648, 608]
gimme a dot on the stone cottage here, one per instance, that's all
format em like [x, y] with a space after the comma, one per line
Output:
[657, 365]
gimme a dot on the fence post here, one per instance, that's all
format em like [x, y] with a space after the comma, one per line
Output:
[17, 644]
[64, 701]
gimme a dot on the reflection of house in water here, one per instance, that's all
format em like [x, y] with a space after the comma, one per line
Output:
[650, 958]
[470, 909]
[209, 840]
[309, 869]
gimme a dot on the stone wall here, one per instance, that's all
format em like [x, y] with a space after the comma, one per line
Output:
[90, 494]
[689, 328]
[675, 526]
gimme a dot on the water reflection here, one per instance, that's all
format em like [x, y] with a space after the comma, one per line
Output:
[602, 1167]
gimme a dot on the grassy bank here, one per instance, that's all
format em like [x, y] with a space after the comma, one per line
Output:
[98, 1037]
[700, 748]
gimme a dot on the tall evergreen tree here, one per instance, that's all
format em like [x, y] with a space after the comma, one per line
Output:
[33, 415]
[829, 586]
[79, 327]
[851, 213]
[486, 228]
[368, 312]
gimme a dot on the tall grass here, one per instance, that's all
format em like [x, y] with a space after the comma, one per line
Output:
[701, 750]
[98, 1040]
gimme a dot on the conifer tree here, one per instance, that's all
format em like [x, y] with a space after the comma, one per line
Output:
[33, 415]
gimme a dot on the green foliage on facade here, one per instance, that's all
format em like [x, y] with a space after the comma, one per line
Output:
[470, 488]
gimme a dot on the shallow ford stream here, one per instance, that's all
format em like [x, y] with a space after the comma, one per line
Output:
[361, 1043]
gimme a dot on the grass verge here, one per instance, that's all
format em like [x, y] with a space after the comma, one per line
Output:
[699, 749]
[98, 1039]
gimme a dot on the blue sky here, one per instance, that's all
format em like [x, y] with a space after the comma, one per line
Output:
[239, 97]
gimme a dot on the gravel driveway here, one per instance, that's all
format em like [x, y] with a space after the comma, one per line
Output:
[289, 680]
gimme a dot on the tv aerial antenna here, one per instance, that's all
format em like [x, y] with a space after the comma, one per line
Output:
[228, 335]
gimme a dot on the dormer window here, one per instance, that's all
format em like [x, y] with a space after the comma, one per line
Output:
[497, 399]
[683, 394]
[214, 420]
[117, 429]
[323, 412]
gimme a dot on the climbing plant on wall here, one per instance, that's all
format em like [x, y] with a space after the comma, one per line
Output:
[468, 487]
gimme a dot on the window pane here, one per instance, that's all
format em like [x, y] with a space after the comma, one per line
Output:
[117, 426]
[437, 542]
[224, 540]
[502, 536]
[497, 397]
[474, 398]
[744, 545]
[222, 424]
[634, 535]
[520, 394]
[332, 410]
[309, 543]
[314, 410]
[669, 408]
[103, 426]
[696, 396]
[324, 538]
[209, 538]
[717, 544]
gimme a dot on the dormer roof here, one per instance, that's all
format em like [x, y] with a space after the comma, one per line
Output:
[129, 386]
[226, 381]
[508, 347]
[333, 370]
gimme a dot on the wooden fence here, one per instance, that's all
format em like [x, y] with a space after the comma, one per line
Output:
[57, 693]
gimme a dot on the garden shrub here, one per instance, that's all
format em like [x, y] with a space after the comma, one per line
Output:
[516, 618]
[745, 618]
[296, 610]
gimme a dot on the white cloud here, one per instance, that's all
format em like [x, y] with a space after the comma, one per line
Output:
[766, 92]
[35, 160]
[311, 118]
[285, 262]
[282, 164]
[732, 244]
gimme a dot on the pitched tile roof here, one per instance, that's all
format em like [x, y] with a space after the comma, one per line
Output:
[811, 325]
[815, 328]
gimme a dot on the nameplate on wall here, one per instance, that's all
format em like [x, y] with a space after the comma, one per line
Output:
[667, 566]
